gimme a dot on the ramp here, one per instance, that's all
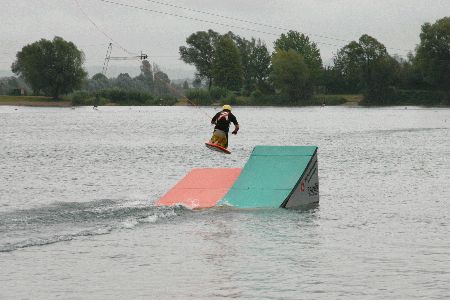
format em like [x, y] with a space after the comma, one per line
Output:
[276, 176]
[200, 188]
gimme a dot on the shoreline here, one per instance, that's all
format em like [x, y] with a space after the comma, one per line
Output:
[41, 101]
[36, 101]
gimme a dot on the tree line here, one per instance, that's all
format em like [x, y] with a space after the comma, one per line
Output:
[151, 87]
[55, 67]
[234, 69]
[294, 71]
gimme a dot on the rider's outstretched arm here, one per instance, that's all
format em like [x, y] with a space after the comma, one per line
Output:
[236, 129]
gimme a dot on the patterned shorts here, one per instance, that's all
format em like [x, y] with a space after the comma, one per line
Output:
[219, 137]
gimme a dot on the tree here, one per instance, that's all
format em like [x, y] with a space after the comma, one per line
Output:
[197, 82]
[347, 64]
[290, 75]
[259, 67]
[98, 82]
[255, 61]
[201, 52]
[335, 83]
[409, 74]
[100, 77]
[381, 81]
[145, 80]
[371, 54]
[53, 67]
[227, 68]
[147, 72]
[124, 81]
[367, 66]
[101, 80]
[433, 53]
[12, 86]
[162, 84]
[308, 49]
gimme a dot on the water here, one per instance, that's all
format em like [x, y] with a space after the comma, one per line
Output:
[77, 220]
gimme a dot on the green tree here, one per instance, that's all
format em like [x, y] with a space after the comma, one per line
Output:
[308, 49]
[162, 85]
[124, 82]
[260, 61]
[255, 60]
[433, 53]
[335, 83]
[367, 65]
[98, 82]
[201, 53]
[197, 82]
[53, 67]
[145, 80]
[147, 73]
[227, 68]
[409, 74]
[290, 75]
[371, 55]
[100, 77]
[12, 86]
[101, 80]
[347, 65]
[381, 81]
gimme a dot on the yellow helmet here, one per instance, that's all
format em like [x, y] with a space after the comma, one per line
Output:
[226, 106]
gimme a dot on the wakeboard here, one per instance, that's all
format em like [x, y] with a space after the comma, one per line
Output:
[218, 148]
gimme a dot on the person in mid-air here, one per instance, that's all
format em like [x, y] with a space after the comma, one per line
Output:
[222, 121]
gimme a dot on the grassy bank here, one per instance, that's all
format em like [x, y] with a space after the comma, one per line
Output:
[33, 101]
[246, 101]
[352, 99]
[316, 100]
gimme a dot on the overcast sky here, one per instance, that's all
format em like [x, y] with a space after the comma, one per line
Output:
[160, 27]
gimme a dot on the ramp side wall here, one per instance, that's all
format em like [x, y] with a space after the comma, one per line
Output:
[307, 189]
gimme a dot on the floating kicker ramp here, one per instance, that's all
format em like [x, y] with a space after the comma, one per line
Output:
[274, 176]
[200, 188]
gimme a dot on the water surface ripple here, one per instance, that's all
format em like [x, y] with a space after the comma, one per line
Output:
[77, 220]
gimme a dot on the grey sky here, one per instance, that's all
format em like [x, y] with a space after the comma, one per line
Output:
[330, 23]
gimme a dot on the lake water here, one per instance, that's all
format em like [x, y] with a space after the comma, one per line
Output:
[77, 220]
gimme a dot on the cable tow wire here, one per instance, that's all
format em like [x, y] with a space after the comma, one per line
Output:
[101, 31]
[228, 25]
[184, 17]
[192, 103]
[244, 21]
[177, 92]
[257, 23]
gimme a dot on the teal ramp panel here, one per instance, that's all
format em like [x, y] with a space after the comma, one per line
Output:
[275, 175]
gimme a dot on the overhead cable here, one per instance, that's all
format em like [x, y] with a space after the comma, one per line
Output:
[199, 20]
[236, 19]
[241, 20]
[101, 31]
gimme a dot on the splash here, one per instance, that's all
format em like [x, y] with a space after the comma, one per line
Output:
[66, 221]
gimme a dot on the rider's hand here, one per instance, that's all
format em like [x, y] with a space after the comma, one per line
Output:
[234, 132]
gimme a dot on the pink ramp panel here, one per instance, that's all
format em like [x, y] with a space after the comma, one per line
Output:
[201, 188]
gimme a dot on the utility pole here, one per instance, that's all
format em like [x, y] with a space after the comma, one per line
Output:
[108, 57]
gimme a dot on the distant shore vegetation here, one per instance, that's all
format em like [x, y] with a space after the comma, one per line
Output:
[235, 70]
